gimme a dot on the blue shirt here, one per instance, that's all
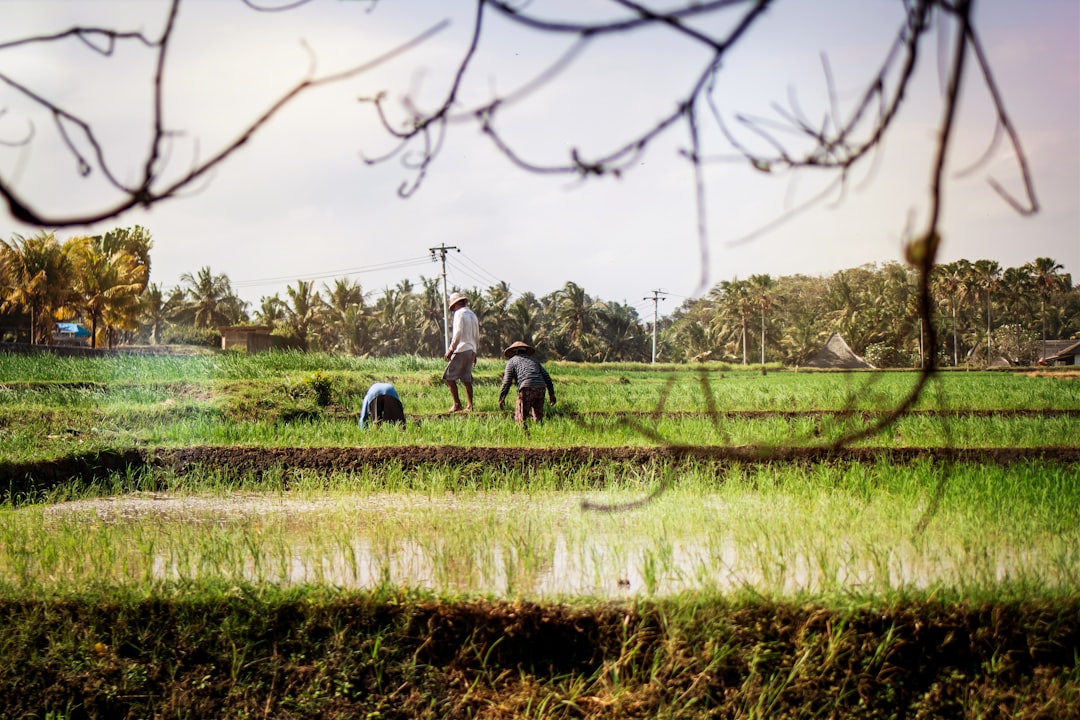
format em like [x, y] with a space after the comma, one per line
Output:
[376, 390]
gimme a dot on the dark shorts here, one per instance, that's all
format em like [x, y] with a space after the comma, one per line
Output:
[530, 403]
[460, 366]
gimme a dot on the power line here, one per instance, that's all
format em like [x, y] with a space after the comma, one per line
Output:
[492, 278]
[479, 281]
[389, 265]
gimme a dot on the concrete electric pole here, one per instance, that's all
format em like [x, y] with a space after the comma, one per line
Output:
[441, 250]
[656, 298]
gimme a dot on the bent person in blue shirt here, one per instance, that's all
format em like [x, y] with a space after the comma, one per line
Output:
[382, 404]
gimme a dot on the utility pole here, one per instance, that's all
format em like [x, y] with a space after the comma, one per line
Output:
[441, 250]
[656, 298]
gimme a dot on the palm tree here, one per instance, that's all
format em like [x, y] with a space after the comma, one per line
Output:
[621, 333]
[951, 282]
[696, 340]
[107, 284]
[271, 310]
[497, 322]
[734, 304]
[1046, 278]
[432, 335]
[393, 313]
[803, 314]
[134, 240]
[154, 310]
[898, 311]
[524, 319]
[38, 271]
[209, 299]
[341, 317]
[575, 318]
[987, 274]
[1017, 297]
[301, 310]
[761, 287]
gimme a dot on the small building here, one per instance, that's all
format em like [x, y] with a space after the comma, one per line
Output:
[1068, 356]
[70, 333]
[1052, 348]
[250, 338]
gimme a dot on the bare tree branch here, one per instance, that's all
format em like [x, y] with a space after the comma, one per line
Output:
[145, 193]
[794, 141]
[921, 253]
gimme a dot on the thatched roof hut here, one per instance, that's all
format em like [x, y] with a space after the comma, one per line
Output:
[837, 355]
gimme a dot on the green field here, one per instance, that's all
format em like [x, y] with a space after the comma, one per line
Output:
[213, 534]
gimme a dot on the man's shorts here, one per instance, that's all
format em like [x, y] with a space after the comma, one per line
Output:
[460, 367]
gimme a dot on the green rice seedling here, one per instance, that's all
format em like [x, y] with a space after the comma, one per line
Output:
[731, 389]
[778, 544]
[783, 528]
[42, 433]
[261, 408]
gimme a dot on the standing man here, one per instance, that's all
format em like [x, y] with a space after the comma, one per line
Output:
[462, 351]
[523, 370]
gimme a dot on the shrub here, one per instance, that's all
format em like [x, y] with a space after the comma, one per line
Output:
[883, 355]
[189, 335]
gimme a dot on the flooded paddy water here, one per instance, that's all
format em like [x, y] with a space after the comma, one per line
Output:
[527, 544]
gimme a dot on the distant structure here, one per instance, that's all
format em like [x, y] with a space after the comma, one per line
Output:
[252, 338]
[1054, 348]
[837, 355]
[69, 333]
[1068, 356]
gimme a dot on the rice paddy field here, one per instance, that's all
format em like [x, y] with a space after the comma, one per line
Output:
[214, 536]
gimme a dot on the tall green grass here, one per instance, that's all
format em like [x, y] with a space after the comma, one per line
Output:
[582, 387]
[777, 531]
[193, 426]
[779, 528]
[53, 406]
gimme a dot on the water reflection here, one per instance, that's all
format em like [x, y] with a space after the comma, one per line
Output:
[544, 545]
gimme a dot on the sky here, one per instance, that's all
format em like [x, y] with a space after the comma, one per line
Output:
[298, 201]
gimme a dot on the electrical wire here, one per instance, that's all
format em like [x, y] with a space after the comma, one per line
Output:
[346, 272]
[492, 278]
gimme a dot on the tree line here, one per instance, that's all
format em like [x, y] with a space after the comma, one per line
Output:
[982, 311]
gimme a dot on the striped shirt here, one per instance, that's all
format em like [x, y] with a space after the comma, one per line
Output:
[525, 372]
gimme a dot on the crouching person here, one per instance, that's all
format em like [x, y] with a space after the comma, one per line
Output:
[532, 381]
[382, 404]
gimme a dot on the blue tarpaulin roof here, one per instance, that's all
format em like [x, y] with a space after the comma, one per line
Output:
[73, 329]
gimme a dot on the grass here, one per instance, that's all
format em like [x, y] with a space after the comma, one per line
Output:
[250, 651]
[469, 589]
[821, 528]
[43, 433]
